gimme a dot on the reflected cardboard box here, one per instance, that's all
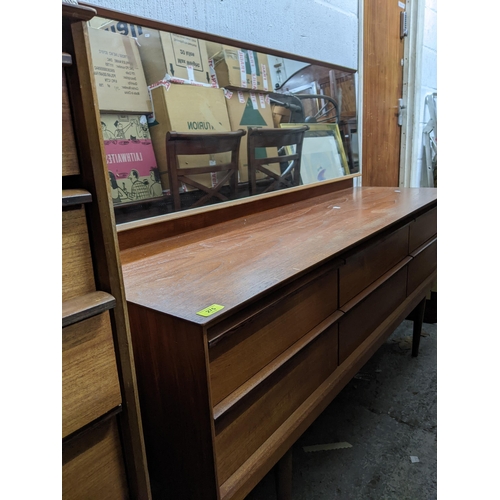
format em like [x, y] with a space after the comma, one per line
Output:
[162, 53]
[187, 108]
[178, 56]
[240, 68]
[133, 171]
[120, 27]
[250, 109]
[119, 76]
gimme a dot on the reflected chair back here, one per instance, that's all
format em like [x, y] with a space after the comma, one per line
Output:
[289, 176]
[192, 143]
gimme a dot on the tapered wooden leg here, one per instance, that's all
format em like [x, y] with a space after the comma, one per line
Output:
[418, 319]
[283, 476]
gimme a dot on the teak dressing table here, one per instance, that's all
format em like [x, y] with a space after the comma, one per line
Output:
[309, 291]
[312, 281]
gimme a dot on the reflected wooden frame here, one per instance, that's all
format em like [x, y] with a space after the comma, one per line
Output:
[323, 154]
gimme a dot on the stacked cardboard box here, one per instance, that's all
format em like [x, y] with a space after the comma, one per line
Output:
[187, 108]
[123, 99]
[240, 68]
[250, 109]
[119, 76]
[182, 58]
[201, 106]
[133, 172]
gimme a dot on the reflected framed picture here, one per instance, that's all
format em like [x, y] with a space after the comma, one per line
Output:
[323, 155]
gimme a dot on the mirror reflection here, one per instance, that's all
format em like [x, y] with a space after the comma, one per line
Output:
[188, 122]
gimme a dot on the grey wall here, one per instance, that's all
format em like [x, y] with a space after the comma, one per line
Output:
[325, 30]
[426, 84]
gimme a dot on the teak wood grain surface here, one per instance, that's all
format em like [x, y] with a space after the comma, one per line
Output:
[232, 263]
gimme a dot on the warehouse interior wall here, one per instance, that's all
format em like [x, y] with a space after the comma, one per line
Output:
[325, 30]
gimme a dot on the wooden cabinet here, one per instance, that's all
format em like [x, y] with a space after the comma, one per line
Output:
[308, 295]
[102, 443]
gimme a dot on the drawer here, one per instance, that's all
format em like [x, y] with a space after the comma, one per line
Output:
[77, 269]
[256, 336]
[70, 164]
[92, 465]
[360, 321]
[423, 228]
[241, 430]
[90, 385]
[365, 266]
[423, 264]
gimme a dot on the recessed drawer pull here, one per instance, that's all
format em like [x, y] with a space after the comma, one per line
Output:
[236, 396]
[71, 197]
[86, 306]
[222, 330]
[422, 229]
[421, 248]
[92, 425]
[371, 261]
[368, 290]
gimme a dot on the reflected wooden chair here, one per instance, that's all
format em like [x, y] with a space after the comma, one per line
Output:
[289, 176]
[192, 143]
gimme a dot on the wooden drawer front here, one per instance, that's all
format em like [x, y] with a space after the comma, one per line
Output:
[244, 428]
[367, 265]
[423, 229]
[77, 269]
[360, 321]
[249, 346]
[90, 384]
[93, 465]
[69, 155]
[422, 265]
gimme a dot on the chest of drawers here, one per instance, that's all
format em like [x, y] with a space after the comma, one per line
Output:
[103, 453]
[309, 291]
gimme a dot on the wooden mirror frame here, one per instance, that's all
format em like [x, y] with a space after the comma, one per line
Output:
[152, 228]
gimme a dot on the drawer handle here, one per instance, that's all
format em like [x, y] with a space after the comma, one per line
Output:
[86, 306]
[369, 289]
[92, 425]
[252, 383]
[290, 290]
[422, 247]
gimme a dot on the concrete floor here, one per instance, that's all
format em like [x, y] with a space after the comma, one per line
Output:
[387, 414]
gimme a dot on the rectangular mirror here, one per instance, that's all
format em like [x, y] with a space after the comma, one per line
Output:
[151, 82]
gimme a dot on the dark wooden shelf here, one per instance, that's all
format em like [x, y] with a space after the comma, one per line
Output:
[86, 306]
[71, 197]
[77, 12]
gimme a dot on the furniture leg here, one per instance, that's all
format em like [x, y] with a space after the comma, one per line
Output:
[283, 477]
[418, 319]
